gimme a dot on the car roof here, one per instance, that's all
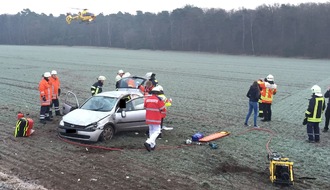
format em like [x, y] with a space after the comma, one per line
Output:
[115, 94]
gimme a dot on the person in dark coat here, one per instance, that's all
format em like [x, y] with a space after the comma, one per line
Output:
[254, 95]
[327, 111]
[97, 87]
[314, 114]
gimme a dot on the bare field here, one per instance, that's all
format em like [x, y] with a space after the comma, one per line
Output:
[208, 93]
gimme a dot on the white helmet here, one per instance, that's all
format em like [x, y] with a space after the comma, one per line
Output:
[127, 74]
[148, 75]
[270, 77]
[101, 78]
[120, 72]
[316, 90]
[47, 74]
[157, 88]
[53, 72]
[160, 88]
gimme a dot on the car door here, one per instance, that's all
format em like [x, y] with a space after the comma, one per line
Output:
[134, 116]
[70, 102]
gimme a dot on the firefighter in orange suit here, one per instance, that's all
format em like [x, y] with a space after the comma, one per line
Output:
[155, 110]
[56, 91]
[269, 89]
[45, 98]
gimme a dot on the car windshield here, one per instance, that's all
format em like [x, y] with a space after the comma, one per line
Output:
[100, 103]
[131, 82]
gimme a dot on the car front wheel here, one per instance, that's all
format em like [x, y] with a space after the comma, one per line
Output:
[107, 134]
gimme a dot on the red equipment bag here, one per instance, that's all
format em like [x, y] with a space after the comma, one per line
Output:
[24, 126]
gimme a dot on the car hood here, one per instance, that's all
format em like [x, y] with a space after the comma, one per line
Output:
[84, 117]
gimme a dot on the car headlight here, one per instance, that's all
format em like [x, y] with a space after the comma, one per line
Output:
[62, 123]
[92, 126]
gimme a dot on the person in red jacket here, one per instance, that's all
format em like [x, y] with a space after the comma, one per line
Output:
[155, 110]
[56, 91]
[45, 97]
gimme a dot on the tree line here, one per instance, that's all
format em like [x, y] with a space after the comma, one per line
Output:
[276, 30]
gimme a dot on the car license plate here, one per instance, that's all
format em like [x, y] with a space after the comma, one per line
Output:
[71, 131]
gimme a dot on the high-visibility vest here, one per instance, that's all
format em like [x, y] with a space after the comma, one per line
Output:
[267, 92]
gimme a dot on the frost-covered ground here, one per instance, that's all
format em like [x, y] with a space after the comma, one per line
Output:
[208, 93]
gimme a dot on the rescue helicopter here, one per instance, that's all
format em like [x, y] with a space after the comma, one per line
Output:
[82, 16]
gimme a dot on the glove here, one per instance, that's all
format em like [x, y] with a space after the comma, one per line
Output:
[44, 98]
[59, 92]
[305, 121]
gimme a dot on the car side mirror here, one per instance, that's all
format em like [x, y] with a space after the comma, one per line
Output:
[123, 114]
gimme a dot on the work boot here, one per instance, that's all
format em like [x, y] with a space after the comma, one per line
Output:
[148, 147]
[42, 121]
[325, 130]
[49, 119]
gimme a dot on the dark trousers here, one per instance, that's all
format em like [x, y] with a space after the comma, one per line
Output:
[44, 112]
[313, 131]
[327, 118]
[261, 110]
[56, 105]
[267, 112]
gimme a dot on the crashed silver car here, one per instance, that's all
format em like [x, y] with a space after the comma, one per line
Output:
[102, 115]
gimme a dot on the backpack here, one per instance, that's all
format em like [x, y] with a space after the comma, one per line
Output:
[23, 127]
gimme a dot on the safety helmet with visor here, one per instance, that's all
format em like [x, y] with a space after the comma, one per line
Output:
[157, 88]
[316, 90]
[270, 77]
[47, 74]
[101, 78]
[127, 74]
[148, 75]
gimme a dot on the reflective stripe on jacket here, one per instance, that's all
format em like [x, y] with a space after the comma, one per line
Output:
[315, 109]
[165, 100]
[267, 92]
[154, 107]
[45, 91]
[55, 83]
[96, 88]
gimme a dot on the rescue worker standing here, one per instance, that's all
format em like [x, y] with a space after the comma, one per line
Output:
[168, 102]
[152, 78]
[314, 114]
[155, 109]
[269, 89]
[327, 112]
[97, 87]
[45, 98]
[56, 92]
[119, 76]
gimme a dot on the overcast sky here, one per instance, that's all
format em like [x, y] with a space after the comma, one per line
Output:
[57, 7]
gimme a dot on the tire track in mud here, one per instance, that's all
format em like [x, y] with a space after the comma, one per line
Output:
[33, 164]
[48, 165]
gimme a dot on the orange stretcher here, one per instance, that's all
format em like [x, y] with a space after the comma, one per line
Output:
[214, 136]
